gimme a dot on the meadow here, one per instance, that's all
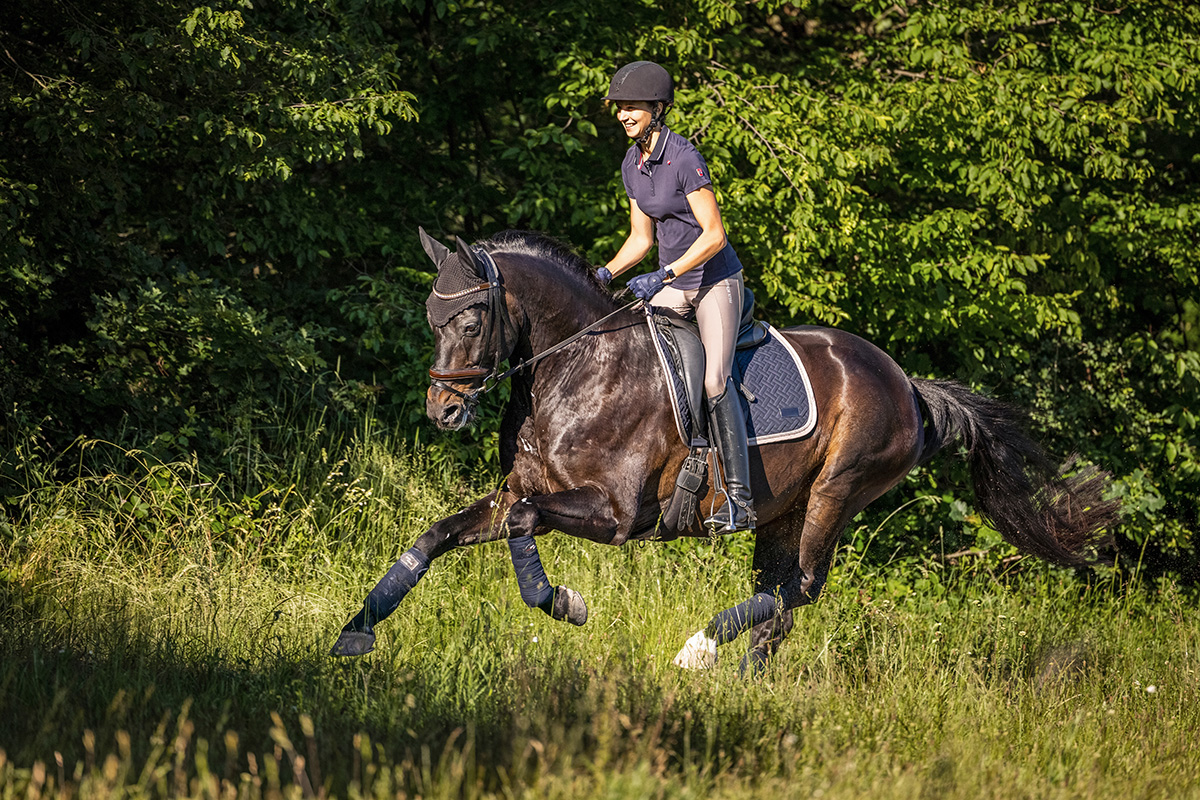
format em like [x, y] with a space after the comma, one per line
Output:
[165, 635]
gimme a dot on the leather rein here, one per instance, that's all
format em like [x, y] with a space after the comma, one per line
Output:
[488, 377]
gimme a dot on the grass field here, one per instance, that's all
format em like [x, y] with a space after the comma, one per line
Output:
[160, 639]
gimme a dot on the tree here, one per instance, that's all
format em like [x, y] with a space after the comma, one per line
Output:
[998, 192]
[176, 184]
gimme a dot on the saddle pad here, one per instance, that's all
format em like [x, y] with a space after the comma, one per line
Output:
[777, 397]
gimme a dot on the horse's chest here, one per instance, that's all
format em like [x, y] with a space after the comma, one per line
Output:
[528, 476]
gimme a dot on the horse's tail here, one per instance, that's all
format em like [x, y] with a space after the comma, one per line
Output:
[1036, 506]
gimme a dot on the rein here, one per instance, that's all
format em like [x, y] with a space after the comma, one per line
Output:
[573, 337]
[490, 379]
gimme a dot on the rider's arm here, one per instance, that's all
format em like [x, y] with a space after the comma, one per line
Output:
[712, 231]
[637, 244]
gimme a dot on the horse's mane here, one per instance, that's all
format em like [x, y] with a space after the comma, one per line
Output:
[547, 248]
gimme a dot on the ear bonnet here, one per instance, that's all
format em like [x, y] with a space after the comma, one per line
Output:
[460, 281]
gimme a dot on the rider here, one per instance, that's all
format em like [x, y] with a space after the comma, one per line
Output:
[671, 198]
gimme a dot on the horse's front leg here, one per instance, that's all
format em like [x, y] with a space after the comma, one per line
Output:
[478, 522]
[586, 512]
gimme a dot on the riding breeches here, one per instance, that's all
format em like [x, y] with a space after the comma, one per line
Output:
[718, 312]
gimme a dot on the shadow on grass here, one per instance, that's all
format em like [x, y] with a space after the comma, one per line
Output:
[172, 708]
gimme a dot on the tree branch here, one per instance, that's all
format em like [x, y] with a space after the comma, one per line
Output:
[35, 78]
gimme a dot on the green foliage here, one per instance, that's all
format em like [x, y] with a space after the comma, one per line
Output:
[173, 189]
[207, 206]
[171, 634]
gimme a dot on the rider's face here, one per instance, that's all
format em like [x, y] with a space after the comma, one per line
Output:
[634, 117]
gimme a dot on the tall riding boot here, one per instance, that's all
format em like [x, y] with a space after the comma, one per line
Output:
[729, 433]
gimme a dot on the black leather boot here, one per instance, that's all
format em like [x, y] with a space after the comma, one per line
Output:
[729, 434]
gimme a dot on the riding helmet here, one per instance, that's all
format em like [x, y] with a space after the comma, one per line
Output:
[642, 81]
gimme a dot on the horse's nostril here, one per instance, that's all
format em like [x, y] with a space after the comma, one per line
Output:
[450, 412]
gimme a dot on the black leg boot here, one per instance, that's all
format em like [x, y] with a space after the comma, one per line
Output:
[729, 434]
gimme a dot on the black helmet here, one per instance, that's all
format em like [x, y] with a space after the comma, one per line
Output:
[642, 81]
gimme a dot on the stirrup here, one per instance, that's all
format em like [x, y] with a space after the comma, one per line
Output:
[722, 523]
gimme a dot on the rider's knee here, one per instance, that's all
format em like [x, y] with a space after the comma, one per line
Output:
[714, 386]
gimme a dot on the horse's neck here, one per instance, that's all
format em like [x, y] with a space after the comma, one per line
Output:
[555, 310]
[549, 329]
[552, 306]
[602, 355]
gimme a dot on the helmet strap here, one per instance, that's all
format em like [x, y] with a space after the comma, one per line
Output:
[656, 123]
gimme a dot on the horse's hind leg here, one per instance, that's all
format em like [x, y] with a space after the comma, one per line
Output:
[765, 639]
[796, 552]
[796, 567]
[775, 548]
[775, 558]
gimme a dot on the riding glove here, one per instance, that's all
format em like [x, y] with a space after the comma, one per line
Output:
[604, 276]
[646, 286]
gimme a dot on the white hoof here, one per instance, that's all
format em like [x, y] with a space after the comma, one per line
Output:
[700, 652]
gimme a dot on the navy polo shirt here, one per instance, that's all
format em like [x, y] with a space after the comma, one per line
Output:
[660, 185]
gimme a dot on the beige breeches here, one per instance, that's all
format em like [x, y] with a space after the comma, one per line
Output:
[718, 311]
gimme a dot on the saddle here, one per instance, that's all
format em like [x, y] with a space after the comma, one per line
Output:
[682, 355]
[774, 389]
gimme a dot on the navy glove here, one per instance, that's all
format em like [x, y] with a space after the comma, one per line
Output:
[646, 286]
[604, 276]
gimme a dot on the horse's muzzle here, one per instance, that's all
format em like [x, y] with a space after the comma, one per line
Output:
[448, 410]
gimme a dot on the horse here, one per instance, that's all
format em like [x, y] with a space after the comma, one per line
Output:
[588, 445]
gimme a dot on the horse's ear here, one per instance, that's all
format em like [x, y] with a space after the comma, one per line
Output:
[436, 251]
[467, 257]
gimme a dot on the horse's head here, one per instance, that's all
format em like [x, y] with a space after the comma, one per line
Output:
[471, 330]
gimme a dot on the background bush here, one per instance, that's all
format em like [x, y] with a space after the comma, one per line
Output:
[208, 210]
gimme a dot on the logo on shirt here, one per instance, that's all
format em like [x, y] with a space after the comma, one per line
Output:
[700, 172]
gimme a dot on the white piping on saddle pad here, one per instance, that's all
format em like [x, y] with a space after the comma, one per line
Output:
[801, 372]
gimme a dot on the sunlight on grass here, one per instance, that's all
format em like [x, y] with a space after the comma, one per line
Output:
[162, 638]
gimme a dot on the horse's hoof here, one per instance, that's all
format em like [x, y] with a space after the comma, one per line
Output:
[353, 643]
[569, 605]
[699, 652]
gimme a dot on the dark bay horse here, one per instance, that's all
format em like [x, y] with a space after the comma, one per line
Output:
[589, 445]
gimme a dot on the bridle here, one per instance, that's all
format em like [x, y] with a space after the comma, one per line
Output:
[487, 377]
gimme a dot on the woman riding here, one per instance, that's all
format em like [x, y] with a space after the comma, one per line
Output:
[671, 198]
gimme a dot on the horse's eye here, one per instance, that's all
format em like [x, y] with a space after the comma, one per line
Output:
[471, 329]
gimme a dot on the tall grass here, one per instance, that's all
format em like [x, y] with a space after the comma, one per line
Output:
[164, 635]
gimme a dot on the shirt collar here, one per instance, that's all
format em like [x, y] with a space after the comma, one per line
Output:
[657, 156]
